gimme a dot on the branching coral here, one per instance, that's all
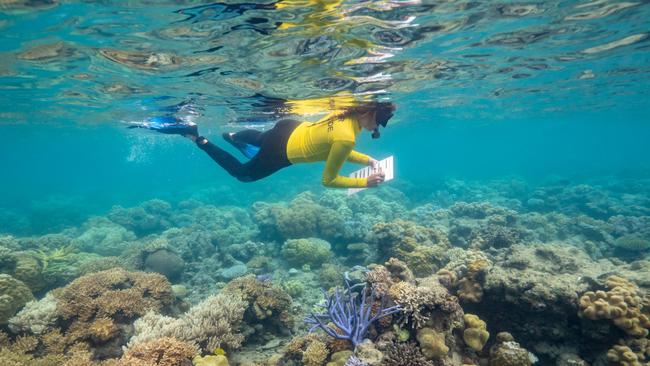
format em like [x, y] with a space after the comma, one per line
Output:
[268, 305]
[351, 314]
[622, 303]
[94, 308]
[113, 293]
[400, 354]
[419, 302]
[159, 352]
[211, 324]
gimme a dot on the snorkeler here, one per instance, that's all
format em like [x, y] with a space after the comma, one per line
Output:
[331, 139]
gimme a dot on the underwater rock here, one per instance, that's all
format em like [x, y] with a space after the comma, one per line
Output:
[13, 296]
[330, 275]
[369, 354]
[301, 218]
[165, 262]
[234, 271]
[150, 217]
[507, 352]
[104, 237]
[311, 251]
[470, 287]
[422, 249]
[28, 270]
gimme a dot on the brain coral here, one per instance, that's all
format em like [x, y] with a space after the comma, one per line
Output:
[13, 296]
[311, 251]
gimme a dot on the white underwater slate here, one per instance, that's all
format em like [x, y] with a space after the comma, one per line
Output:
[385, 166]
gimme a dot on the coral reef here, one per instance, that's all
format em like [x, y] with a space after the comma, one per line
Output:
[36, 317]
[475, 334]
[104, 237]
[432, 343]
[159, 352]
[13, 296]
[422, 249]
[622, 303]
[399, 354]
[268, 305]
[213, 323]
[301, 218]
[312, 252]
[507, 352]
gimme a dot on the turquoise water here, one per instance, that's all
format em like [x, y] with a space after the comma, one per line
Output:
[502, 103]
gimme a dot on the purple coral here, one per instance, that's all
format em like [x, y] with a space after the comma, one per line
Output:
[350, 312]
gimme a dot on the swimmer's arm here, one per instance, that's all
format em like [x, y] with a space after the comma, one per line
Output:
[339, 152]
[358, 158]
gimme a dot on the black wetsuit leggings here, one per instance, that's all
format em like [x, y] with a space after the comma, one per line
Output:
[271, 157]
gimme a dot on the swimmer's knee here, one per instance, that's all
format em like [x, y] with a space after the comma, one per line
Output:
[245, 179]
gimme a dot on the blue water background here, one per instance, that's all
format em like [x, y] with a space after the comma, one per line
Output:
[65, 155]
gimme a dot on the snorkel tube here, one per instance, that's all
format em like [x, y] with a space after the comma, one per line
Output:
[383, 113]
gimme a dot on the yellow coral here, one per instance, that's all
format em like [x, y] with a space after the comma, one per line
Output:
[432, 343]
[211, 360]
[340, 358]
[475, 334]
[622, 304]
[620, 355]
[315, 354]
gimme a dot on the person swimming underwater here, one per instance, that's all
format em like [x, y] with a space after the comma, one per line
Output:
[289, 142]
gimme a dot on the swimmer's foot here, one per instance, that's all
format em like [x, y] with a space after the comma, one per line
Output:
[248, 150]
[170, 127]
[185, 129]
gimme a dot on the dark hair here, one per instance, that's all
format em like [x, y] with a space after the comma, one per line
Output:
[384, 108]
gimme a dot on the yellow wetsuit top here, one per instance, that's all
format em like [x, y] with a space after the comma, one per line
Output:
[331, 140]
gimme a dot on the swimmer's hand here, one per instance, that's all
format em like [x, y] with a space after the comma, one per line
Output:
[373, 163]
[376, 179]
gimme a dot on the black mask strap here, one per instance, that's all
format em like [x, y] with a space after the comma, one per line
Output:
[375, 133]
